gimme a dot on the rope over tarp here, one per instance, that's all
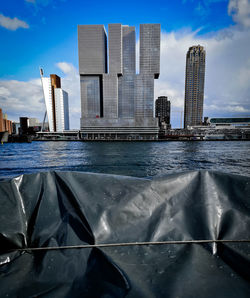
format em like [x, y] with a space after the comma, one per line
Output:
[131, 244]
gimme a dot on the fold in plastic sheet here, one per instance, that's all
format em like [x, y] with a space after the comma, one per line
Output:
[72, 208]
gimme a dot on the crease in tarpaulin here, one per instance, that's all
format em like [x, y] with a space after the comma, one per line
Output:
[204, 244]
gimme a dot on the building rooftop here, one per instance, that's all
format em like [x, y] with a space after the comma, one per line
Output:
[229, 120]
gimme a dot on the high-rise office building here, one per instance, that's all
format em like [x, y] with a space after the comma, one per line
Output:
[149, 49]
[194, 86]
[62, 110]
[116, 102]
[162, 111]
[56, 101]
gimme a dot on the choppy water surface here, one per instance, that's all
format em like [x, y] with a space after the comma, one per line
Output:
[139, 159]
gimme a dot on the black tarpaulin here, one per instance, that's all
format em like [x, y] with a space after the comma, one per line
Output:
[58, 209]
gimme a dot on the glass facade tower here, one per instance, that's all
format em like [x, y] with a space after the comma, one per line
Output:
[116, 102]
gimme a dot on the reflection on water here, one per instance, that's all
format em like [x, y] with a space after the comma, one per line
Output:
[139, 159]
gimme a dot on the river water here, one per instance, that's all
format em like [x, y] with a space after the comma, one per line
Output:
[138, 159]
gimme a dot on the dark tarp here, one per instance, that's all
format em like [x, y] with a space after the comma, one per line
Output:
[72, 208]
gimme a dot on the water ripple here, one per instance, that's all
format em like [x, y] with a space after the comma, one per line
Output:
[139, 159]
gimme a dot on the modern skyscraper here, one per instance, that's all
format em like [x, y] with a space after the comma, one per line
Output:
[149, 49]
[62, 110]
[56, 101]
[118, 103]
[194, 86]
[55, 83]
[162, 111]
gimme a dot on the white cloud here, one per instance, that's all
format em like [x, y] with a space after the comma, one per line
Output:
[18, 98]
[240, 11]
[67, 68]
[233, 108]
[4, 91]
[12, 24]
[207, 2]
[227, 89]
[39, 2]
[237, 109]
[44, 3]
[203, 6]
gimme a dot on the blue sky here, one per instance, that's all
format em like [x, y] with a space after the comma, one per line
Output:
[44, 32]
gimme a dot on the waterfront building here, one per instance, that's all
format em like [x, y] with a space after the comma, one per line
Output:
[62, 109]
[56, 101]
[8, 126]
[5, 124]
[117, 103]
[15, 128]
[162, 111]
[1, 120]
[229, 122]
[24, 125]
[194, 86]
[27, 126]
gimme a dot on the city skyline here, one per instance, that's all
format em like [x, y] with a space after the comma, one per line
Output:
[32, 28]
